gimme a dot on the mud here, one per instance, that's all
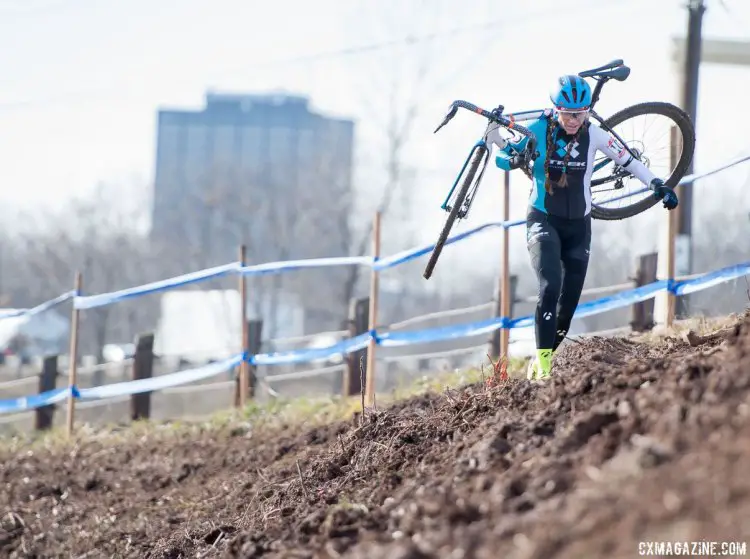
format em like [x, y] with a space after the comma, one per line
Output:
[628, 443]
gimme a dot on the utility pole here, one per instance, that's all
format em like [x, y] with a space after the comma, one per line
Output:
[726, 52]
[684, 241]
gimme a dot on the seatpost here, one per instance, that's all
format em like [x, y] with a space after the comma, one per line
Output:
[597, 89]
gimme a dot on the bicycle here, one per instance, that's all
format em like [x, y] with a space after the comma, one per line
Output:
[458, 206]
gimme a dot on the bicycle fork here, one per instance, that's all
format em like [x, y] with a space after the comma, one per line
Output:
[463, 212]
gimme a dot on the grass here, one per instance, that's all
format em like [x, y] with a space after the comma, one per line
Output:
[326, 409]
[275, 414]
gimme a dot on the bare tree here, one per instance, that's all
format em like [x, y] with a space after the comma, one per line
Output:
[93, 235]
[291, 209]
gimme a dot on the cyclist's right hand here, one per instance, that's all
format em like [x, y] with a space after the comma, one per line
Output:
[516, 161]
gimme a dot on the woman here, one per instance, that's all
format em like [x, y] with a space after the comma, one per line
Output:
[558, 222]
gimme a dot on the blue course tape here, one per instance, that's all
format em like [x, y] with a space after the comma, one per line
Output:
[274, 267]
[303, 355]
[458, 331]
[622, 299]
[412, 253]
[39, 308]
[388, 339]
[711, 278]
[92, 301]
[161, 382]
[121, 388]
[441, 333]
[25, 403]
[686, 180]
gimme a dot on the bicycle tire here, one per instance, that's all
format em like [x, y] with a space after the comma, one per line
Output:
[476, 159]
[686, 128]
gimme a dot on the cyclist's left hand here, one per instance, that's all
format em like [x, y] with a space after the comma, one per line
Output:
[665, 193]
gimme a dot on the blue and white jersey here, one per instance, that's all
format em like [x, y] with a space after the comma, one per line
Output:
[573, 200]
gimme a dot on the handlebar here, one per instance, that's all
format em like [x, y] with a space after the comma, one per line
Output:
[495, 116]
[508, 123]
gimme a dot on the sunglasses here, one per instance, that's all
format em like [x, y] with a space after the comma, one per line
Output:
[574, 115]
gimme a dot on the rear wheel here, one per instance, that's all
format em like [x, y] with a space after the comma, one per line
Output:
[615, 193]
[454, 211]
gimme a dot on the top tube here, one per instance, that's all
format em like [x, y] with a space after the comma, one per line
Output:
[522, 116]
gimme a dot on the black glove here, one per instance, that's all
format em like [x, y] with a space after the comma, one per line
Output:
[665, 193]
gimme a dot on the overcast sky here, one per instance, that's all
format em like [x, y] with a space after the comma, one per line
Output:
[82, 79]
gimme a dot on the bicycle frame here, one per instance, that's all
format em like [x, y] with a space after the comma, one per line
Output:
[614, 70]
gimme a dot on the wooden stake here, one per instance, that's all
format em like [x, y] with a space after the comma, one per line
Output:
[244, 376]
[73, 354]
[374, 276]
[505, 293]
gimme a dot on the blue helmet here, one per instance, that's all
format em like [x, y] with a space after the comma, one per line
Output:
[571, 92]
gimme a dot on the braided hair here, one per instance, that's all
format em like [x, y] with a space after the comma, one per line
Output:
[562, 182]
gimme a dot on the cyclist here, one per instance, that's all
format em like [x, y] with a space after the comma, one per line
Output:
[558, 221]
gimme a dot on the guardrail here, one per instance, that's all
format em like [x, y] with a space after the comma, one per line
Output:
[370, 339]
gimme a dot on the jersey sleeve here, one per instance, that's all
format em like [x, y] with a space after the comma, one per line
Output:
[612, 148]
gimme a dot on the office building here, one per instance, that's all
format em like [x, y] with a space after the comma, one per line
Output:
[251, 168]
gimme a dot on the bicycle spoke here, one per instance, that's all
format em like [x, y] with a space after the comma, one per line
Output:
[649, 135]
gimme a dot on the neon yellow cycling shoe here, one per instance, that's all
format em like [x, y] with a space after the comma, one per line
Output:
[540, 366]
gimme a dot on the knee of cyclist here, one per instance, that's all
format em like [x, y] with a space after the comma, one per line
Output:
[549, 290]
[577, 261]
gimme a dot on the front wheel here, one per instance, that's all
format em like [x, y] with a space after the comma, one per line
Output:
[667, 152]
[454, 211]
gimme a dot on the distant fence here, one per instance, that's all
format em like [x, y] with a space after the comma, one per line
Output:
[367, 340]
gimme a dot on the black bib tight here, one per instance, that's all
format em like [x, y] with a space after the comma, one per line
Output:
[559, 251]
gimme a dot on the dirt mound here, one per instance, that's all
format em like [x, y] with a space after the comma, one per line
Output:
[629, 442]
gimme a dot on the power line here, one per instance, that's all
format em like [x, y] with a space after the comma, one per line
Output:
[300, 59]
[357, 50]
